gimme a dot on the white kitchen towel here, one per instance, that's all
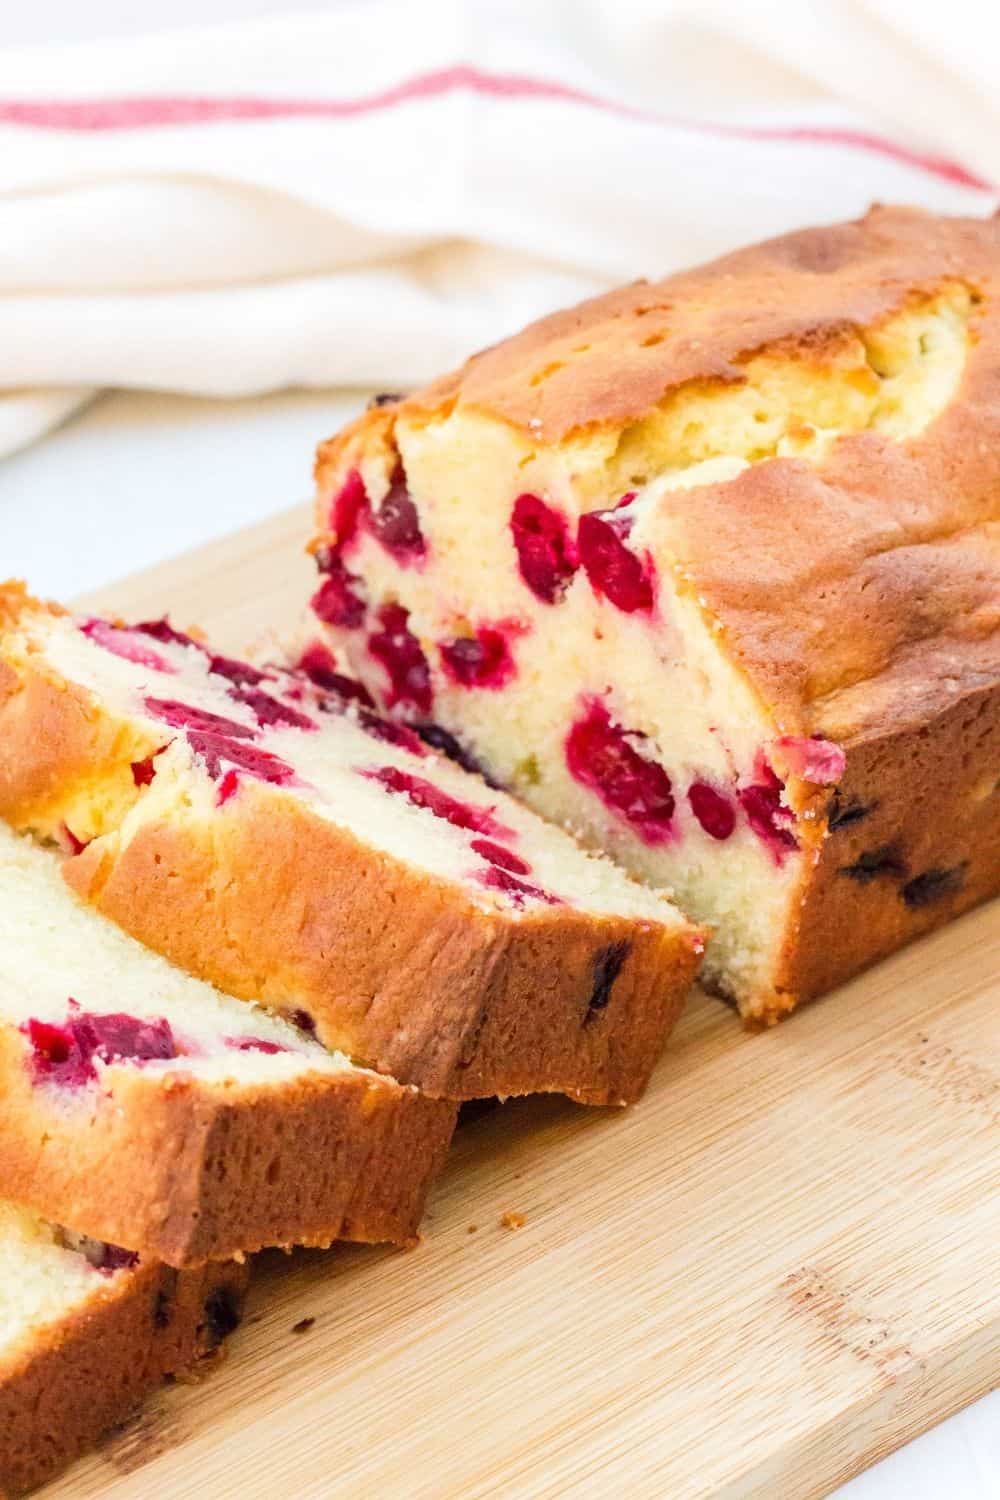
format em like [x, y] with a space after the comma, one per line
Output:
[364, 195]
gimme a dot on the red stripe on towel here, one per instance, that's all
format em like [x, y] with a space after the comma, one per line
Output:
[158, 112]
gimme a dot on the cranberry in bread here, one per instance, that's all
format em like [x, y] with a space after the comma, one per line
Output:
[143, 1107]
[708, 570]
[86, 1330]
[283, 841]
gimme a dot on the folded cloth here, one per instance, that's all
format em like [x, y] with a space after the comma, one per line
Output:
[362, 196]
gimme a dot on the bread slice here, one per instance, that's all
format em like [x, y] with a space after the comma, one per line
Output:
[708, 570]
[86, 1330]
[145, 1108]
[283, 842]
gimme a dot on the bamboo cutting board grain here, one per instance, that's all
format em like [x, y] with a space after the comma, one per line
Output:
[776, 1269]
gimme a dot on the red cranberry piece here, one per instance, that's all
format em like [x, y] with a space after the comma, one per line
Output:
[239, 673]
[713, 809]
[162, 630]
[346, 509]
[390, 733]
[613, 569]
[271, 711]
[213, 749]
[397, 649]
[320, 667]
[433, 799]
[600, 754]
[254, 1044]
[519, 891]
[813, 759]
[483, 660]
[545, 552]
[122, 1037]
[65, 1054]
[338, 601]
[504, 859]
[58, 1055]
[143, 771]
[69, 841]
[396, 524]
[183, 716]
[126, 644]
[767, 814]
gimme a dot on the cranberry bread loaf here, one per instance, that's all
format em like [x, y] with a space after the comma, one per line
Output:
[143, 1107]
[86, 1330]
[285, 843]
[709, 571]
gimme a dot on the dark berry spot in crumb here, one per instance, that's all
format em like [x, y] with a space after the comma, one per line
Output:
[442, 739]
[605, 757]
[843, 814]
[240, 673]
[339, 600]
[613, 569]
[222, 1314]
[320, 666]
[391, 733]
[162, 630]
[607, 966]
[424, 794]
[396, 524]
[497, 854]
[303, 1020]
[483, 660]
[545, 552]
[713, 809]
[162, 1310]
[886, 860]
[397, 650]
[932, 885]
[385, 398]
[114, 1258]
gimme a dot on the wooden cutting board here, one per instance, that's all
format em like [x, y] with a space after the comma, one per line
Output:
[777, 1268]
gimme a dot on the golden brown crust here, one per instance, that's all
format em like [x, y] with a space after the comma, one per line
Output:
[901, 550]
[395, 967]
[189, 1171]
[84, 1374]
[914, 840]
[68, 734]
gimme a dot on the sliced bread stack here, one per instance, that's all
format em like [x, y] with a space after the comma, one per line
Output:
[390, 935]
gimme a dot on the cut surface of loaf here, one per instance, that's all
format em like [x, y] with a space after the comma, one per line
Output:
[143, 1107]
[708, 570]
[86, 1330]
[283, 841]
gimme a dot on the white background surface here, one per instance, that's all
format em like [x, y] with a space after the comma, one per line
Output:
[135, 479]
